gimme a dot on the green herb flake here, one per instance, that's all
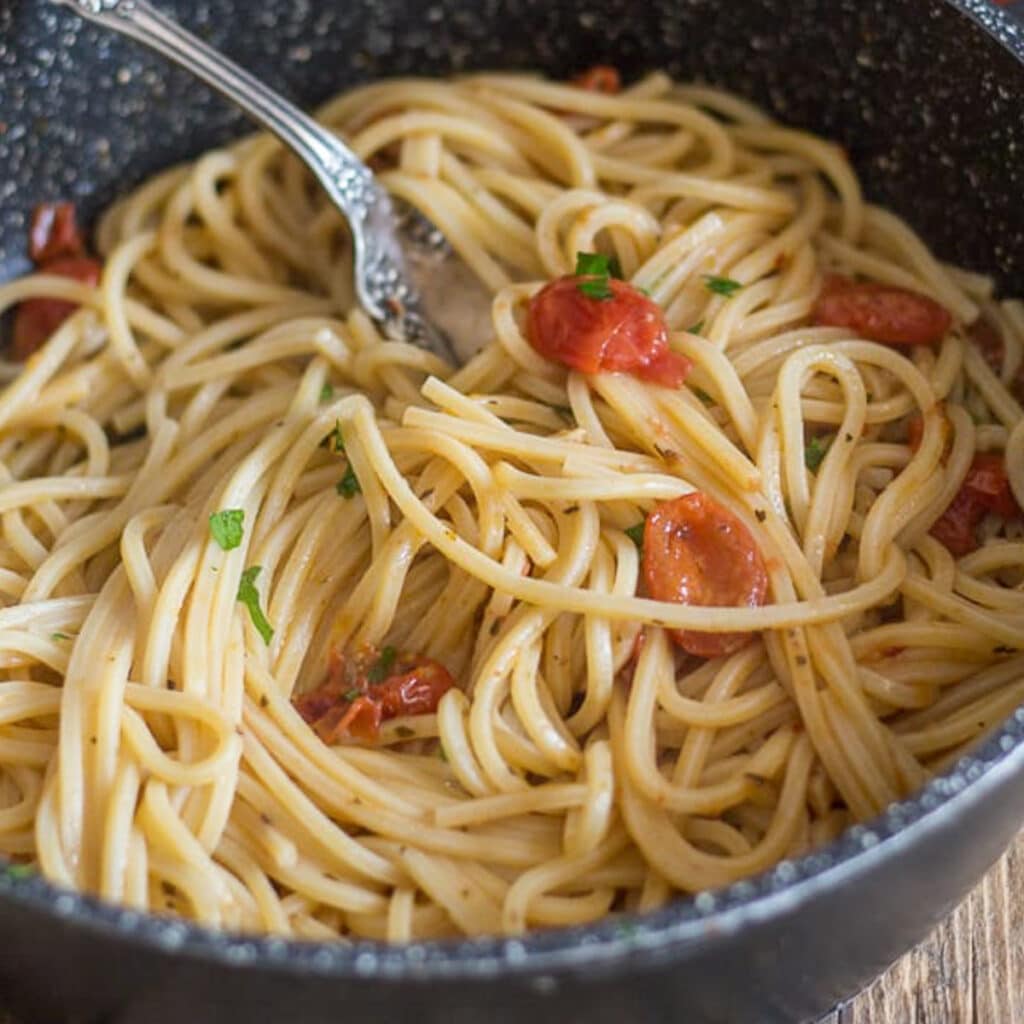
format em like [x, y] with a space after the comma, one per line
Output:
[352, 695]
[404, 732]
[327, 392]
[636, 533]
[335, 439]
[348, 486]
[226, 527]
[725, 286]
[250, 597]
[592, 264]
[595, 288]
[381, 669]
[596, 270]
[19, 871]
[816, 450]
[59, 636]
[703, 396]
[696, 328]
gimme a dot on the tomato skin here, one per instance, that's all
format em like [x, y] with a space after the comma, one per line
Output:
[36, 319]
[351, 703]
[697, 552]
[416, 692]
[880, 312]
[53, 233]
[601, 78]
[625, 333]
[986, 489]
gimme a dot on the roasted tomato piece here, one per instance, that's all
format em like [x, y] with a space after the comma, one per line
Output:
[600, 78]
[621, 332]
[986, 489]
[881, 312]
[370, 686]
[697, 552]
[36, 319]
[53, 233]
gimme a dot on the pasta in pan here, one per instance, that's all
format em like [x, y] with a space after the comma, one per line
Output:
[712, 549]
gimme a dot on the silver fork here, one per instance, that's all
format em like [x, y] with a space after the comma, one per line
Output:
[406, 274]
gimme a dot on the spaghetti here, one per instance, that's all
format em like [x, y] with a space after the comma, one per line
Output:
[303, 631]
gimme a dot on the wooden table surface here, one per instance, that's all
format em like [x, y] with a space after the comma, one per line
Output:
[969, 971]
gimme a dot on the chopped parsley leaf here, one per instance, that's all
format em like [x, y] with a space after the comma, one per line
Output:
[595, 288]
[636, 533]
[381, 669]
[696, 328]
[816, 450]
[597, 269]
[336, 442]
[721, 285]
[592, 264]
[59, 636]
[352, 695]
[327, 392]
[226, 527]
[348, 485]
[250, 597]
[703, 396]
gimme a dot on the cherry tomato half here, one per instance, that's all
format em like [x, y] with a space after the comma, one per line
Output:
[697, 552]
[880, 312]
[53, 233]
[600, 78]
[36, 319]
[622, 333]
[370, 686]
[986, 489]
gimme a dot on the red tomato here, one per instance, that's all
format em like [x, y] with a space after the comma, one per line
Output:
[416, 692]
[370, 686]
[879, 312]
[36, 319]
[361, 721]
[986, 489]
[599, 78]
[54, 233]
[697, 552]
[625, 333]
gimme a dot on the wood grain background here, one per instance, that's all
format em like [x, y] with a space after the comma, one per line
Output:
[969, 971]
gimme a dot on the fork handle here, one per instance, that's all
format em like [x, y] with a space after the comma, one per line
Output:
[382, 284]
[345, 177]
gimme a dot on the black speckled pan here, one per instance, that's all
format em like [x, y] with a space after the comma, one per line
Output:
[928, 97]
